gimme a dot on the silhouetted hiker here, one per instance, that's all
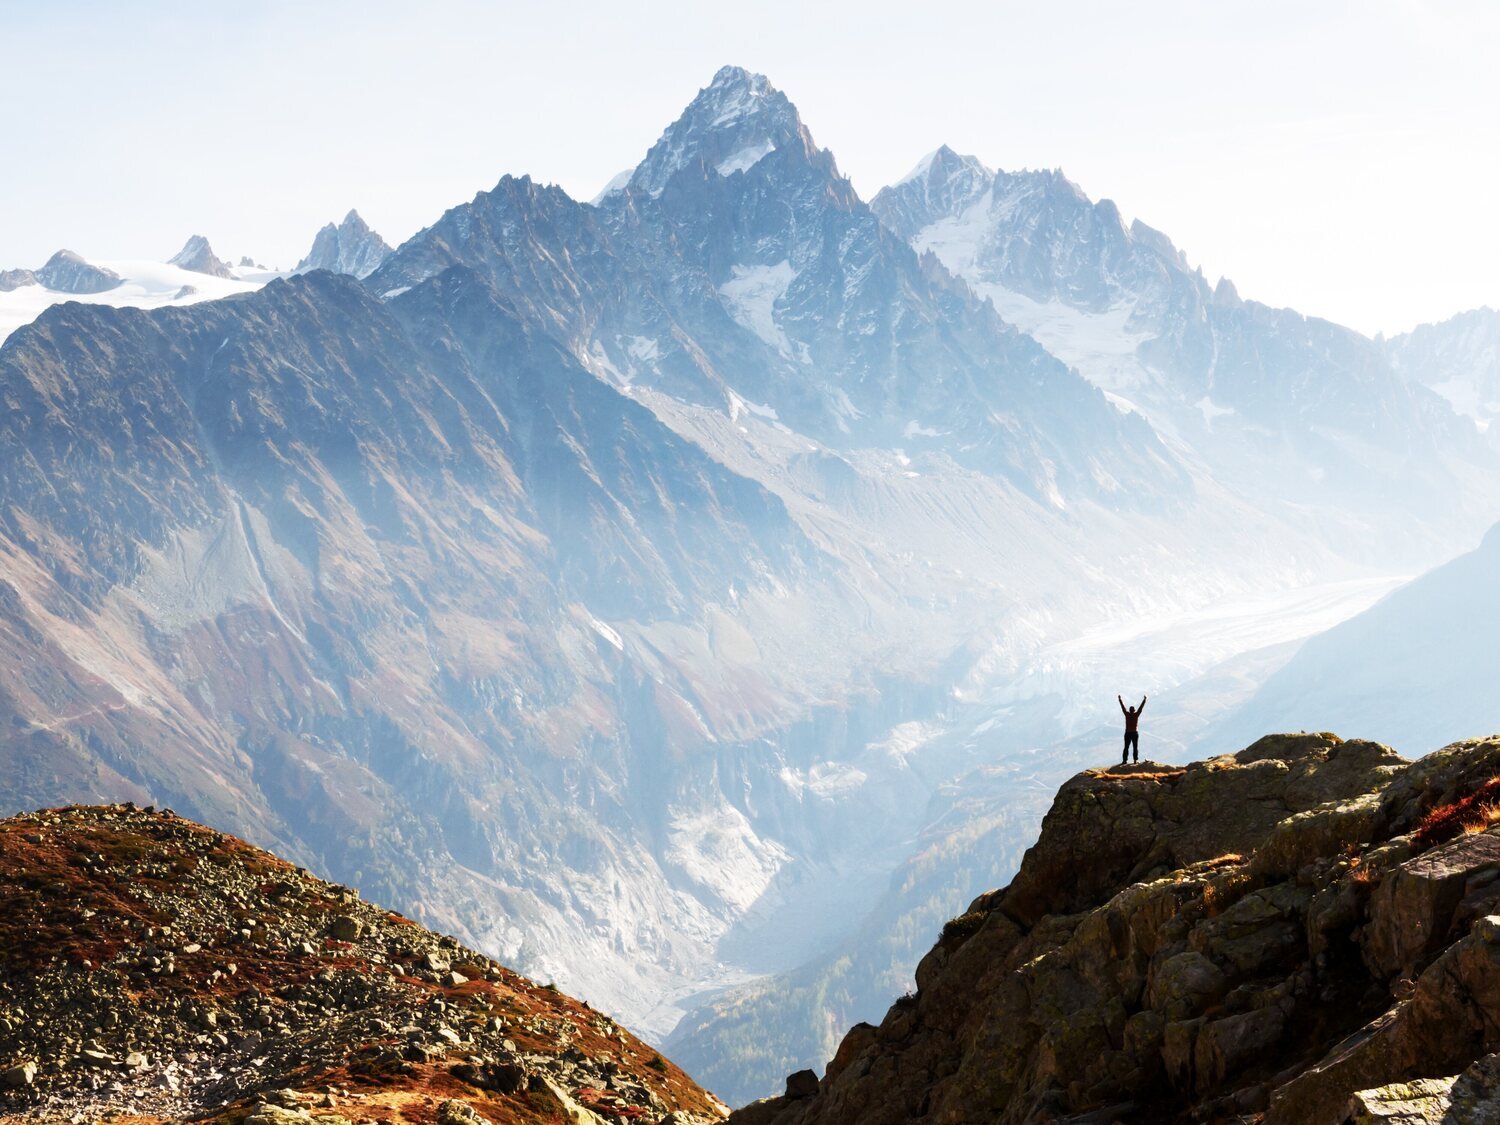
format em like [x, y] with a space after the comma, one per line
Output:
[1132, 736]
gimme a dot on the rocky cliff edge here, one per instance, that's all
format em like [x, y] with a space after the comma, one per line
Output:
[1305, 932]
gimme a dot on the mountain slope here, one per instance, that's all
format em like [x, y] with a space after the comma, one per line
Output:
[308, 596]
[718, 278]
[155, 967]
[1267, 400]
[1459, 359]
[1420, 664]
[198, 256]
[1291, 934]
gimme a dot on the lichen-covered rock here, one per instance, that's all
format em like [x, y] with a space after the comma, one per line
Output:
[1413, 908]
[1423, 1101]
[1471, 1098]
[1318, 833]
[1474, 1098]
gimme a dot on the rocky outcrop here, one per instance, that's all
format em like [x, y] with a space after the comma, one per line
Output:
[197, 255]
[153, 967]
[67, 272]
[1279, 934]
[14, 279]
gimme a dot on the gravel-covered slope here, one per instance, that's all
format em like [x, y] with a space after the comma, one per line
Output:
[153, 967]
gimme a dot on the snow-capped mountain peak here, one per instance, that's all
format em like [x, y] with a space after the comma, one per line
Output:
[943, 183]
[67, 272]
[943, 164]
[350, 247]
[735, 121]
[198, 256]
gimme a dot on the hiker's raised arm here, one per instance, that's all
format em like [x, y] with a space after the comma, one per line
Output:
[1122, 704]
[1142, 707]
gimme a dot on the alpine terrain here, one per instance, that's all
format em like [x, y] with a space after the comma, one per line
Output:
[155, 968]
[1301, 933]
[691, 595]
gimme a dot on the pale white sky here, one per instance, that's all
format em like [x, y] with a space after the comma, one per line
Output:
[1339, 157]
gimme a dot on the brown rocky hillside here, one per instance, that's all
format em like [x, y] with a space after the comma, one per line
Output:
[154, 970]
[1303, 933]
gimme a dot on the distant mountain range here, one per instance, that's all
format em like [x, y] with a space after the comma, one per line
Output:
[1459, 359]
[350, 247]
[655, 592]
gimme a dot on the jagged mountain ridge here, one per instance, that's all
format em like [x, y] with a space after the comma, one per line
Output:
[155, 967]
[1459, 359]
[1303, 932]
[819, 317]
[1267, 399]
[698, 715]
[199, 257]
[349, 247]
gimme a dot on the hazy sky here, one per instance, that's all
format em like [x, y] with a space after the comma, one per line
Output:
[1342, 158]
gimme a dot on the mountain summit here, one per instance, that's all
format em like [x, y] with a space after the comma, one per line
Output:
[734, 122]
[350, 247]
[68, 272]
[197, 255]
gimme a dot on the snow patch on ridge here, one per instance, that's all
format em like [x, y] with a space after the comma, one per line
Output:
[746, 158]
[738, 407]
[147, 285]
[1211, 410]
[1101, 346]
[750, 297]
[606, 632]
[617, 184]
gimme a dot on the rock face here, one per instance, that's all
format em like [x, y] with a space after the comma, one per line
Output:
[154, 967]
[1281, 932]
[197, 255]
[1459, 359]
[67, 272]
[14, 279]
[350, 247]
